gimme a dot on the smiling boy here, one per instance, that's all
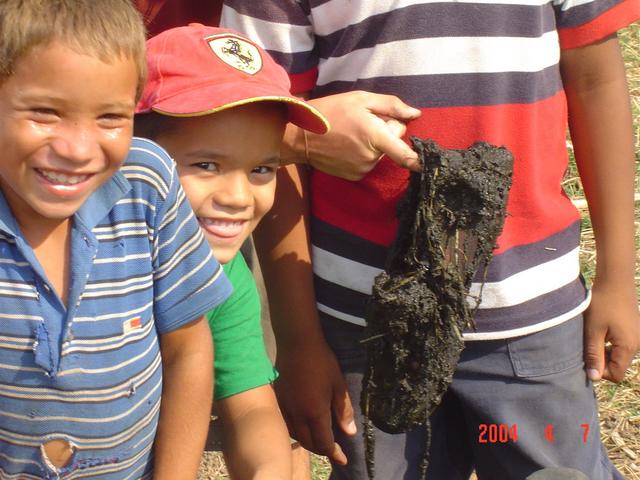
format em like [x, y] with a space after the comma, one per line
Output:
[227, 168]
[104, 272]
[219, 105]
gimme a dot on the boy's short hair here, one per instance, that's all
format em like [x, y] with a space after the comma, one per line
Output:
[104, 28]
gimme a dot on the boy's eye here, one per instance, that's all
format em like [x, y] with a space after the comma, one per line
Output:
[43, 114]
[264, 170]
[113, 120]
[208, 166]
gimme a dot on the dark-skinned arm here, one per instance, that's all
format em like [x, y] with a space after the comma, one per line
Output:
[601, 131]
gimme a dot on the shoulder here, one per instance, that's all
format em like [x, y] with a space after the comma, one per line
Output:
[580, 23]
[149, 164]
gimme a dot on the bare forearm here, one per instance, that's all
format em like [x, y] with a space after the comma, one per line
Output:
[601, 130]
[256, 443]
[282, 242]
[186, 405]
[600, 122]
[294, 146]
[311, 385]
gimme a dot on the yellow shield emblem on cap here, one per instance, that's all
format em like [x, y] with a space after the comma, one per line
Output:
[237, 53]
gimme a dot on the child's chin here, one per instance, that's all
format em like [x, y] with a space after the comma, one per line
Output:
[56, 212]
[224, 254]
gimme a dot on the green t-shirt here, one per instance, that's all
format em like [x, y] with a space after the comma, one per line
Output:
[241, 361]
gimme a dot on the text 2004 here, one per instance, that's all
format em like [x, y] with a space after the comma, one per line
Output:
[494, 433]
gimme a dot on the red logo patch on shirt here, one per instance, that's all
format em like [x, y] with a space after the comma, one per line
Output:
[132, 324]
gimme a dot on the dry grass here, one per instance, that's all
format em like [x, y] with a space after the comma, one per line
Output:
[620, 421]
[212, 467]
[619, 404]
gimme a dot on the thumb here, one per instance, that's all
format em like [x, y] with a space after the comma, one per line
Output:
[594, 353]
[343, 411]
[390, 143]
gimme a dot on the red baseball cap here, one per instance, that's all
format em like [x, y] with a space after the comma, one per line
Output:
[197, 70]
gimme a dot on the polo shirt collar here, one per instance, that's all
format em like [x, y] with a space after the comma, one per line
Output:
[100, 203]
[8, 222]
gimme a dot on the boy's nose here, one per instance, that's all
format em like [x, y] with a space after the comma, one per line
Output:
[236, 192]
[76, 142]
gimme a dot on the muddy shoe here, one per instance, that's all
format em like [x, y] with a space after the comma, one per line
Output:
[450, 218]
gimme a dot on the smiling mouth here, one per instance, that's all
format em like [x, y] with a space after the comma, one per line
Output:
[222, 228]
[62, 178]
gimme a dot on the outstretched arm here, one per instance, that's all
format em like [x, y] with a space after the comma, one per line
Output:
[310, 386]
[187, 391]
[364, 126]
[256, 441]
[311, 390]
[601, 130]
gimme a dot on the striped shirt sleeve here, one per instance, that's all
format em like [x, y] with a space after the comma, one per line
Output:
[284, 29]
[582, 22]
[188, 280]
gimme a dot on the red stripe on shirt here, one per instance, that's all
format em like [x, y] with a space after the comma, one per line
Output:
[534, 133]
[600, 27]
[304, 81]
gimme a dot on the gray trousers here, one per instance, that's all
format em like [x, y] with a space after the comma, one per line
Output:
[515, 406]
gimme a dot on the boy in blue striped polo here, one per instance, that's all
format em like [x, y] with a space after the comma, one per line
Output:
[219, 104]
[105, 357]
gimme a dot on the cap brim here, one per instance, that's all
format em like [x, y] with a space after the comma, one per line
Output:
[215, 98]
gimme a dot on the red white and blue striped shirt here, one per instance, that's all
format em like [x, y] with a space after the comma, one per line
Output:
[479, 70]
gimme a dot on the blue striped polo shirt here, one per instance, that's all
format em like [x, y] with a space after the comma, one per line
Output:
[91, 373]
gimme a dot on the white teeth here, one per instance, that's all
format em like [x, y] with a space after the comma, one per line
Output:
[63, 178]
[220, 223]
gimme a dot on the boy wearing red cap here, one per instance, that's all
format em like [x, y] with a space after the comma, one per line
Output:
[219, 104]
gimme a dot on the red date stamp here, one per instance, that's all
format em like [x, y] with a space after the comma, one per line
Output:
[497, 433]
[548, 432]
[508, 433]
